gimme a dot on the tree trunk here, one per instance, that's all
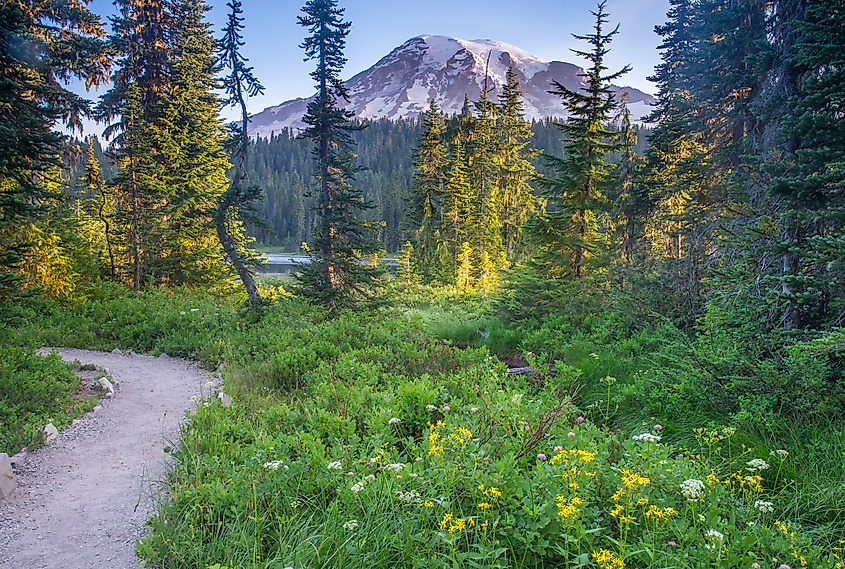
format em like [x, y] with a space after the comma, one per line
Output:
[234, 258]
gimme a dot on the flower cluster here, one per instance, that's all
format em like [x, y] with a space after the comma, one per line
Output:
[351, 525]
[757, 464]
[336, 465]
[358, 486]
[568, 507]
[607, 559]
[692, 489]
[765, 507]
[647, 437]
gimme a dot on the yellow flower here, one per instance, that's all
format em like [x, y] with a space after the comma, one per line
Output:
[633, 479]
[428, 504]
[485, 505]
[607, 559]
[446, 519]
[619, 493]
[495, 492]
[567, 508]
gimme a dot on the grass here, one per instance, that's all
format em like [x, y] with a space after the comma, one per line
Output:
[371, 439]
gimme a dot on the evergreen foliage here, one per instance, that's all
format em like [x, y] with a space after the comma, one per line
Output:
[567, 233]
[336, 274]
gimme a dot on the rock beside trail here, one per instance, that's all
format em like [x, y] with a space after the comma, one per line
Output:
[18, 460]
[117, 352]
[51, 432]
[106, 384]
[164, 356]
[225, 400]
[7, 479]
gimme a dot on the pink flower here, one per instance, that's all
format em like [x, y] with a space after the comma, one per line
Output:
[446, 408]
[658, 427]
[579, 420]
[784, 567]
[755, 566]
[541, 456]
[673, 544]
[418, 459]
[558, 449]
[570, 434]
[474, 409]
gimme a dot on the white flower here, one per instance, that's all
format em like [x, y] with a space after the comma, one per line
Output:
[430, 408]
[647, 437]
[757, 464]
[295, 504]
[274, 465]
[369, 477]
[334, 465]
[357, 487]
[394, 421]
[195, 310]
[516, 398]
[409, 496]
[414, 475]
[394, 467]
[692, 489]
[781, 454]
[351, 525]
[765, 507]
[714, 534]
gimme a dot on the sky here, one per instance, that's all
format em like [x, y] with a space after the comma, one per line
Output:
[541, 27]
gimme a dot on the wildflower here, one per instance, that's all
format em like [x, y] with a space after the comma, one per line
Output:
[446, 519]
[516, 399]
[295, 504]
[474, 410]
[757, 464]
[784, 567]
[394, 421]
[558, 448]
[647, 437]
[781, 454]
[672, 544]
[765, 507]
[430, 408]
[427, 504]
[485, 506]
[395, 467]
[658, 427]
[579, 420]
[446, 408]
[418, 459]
[274, 465]
[541, 456]
[717, 536]
[357, 487]
[692, 489]
[351, 525]
[607, 559]
[334, 465]
[570, 434]
[567, 508]
[632, 479]
[495, 492]
[755, 566]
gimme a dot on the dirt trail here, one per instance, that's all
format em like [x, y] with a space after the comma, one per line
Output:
[82, 500]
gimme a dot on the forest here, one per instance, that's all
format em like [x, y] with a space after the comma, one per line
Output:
[605, 344]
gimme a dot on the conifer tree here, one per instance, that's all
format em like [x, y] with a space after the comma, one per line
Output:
[514, 166]
[239, 198]
[190, 138]
[567, 232]
[424, 213]
[336, 274]
[42, 44]
[458, 202]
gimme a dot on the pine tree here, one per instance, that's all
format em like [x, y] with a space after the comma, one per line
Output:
[336, 275]
[190, 138]
[41, 45]
[424, 213]
[238, 200]
[458, 202]
[567, 232]
[514, 167]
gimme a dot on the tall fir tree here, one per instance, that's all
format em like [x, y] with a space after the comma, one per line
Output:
[190, 137]
[566, 232]
[42, 45]
[514, 166]
[238, 201]
[425, 207]
[336, 275]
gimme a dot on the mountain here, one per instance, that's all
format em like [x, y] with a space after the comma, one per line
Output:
[425, 67]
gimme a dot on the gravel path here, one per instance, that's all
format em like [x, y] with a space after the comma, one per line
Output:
[82, 500]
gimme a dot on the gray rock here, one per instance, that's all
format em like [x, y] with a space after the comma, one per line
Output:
[18, 460]
[7, 479]
[106, 384]
[51, 432]
[130, 353]
[225, 400]
[117, 352]
[96, 408]
[164, 356]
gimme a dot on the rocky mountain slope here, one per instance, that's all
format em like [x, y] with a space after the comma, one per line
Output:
[445, 68]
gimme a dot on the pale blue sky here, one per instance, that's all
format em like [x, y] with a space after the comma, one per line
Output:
[541, 27]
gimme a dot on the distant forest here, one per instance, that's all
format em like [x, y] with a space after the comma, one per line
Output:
[283, 167]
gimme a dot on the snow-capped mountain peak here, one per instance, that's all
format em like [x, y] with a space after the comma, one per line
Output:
[402, 84]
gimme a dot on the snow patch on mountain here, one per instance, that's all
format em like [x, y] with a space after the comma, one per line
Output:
[402, 84]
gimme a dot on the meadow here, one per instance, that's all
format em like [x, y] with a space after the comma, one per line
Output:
[397, 438]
